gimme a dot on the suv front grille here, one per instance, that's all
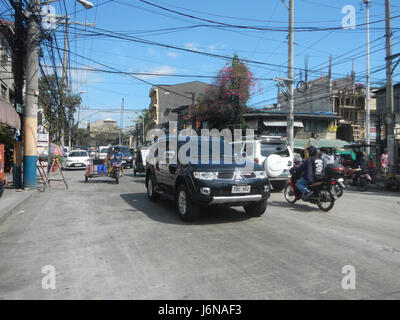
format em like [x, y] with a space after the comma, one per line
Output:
[225, 175]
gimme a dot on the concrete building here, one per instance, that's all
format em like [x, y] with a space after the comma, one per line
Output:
[342, 97]
[165, 98]
[6, 62]
[103, 132]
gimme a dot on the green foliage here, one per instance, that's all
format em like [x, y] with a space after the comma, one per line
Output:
[58, 105]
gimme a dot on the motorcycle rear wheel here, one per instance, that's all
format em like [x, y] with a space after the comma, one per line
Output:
[289, 194]
[362, 184]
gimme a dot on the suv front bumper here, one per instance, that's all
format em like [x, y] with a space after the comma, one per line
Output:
[220, 192]
[236, 199]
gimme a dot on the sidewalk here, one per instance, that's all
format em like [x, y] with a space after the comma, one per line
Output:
[12, 200]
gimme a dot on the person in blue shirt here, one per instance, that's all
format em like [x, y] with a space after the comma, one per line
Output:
[117, 156]
[310, 169]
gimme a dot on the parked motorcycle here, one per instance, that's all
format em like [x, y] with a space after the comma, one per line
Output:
[361, 179]
[323, 192]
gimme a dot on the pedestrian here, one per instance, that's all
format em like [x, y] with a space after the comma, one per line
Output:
[385, 161]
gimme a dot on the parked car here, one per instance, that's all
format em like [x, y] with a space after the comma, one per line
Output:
[77, 159]
[274, 155]
[201, 181]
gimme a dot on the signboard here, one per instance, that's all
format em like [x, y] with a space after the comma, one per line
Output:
[372, 133]
[20, 108]
[43, 137]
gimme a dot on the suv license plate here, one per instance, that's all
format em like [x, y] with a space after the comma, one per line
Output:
[241, 189]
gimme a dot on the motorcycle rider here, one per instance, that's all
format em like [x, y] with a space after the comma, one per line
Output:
[310, 169]
[117, 156]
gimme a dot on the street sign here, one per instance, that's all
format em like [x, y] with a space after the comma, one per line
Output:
[20, 108]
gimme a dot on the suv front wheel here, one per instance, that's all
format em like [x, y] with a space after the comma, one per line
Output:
[256, 209]
[187, 210]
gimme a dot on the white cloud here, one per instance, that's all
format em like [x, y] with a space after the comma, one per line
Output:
[172, 54]
[191, 46]
[162, 70]
[153, 52]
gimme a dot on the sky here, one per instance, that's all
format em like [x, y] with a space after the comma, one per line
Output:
[212, 31]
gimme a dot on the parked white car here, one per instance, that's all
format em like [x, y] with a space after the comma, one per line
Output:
[274, 155]
[77, 159]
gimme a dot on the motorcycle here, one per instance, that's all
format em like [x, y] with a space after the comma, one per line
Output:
[116, 170]
[339, 186]
[323, 193]
[361, 179]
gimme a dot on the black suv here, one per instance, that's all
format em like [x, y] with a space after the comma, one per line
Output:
[189, 173]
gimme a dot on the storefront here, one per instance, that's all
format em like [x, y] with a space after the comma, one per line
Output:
[10, 124]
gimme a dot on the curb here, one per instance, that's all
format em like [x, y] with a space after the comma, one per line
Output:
[9, 211]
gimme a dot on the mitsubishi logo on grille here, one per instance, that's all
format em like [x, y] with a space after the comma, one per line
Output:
[237, 176]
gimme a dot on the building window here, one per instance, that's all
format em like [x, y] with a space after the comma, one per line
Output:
[315, 126]
[4, 91]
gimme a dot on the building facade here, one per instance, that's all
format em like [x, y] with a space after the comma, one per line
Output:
[103, 132]
[342, 97]
[165, 98]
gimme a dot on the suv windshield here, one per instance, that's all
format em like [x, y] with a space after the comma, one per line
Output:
[104, 150]
[279, 149]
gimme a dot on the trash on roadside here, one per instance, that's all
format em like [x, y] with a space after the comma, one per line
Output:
[21, 212]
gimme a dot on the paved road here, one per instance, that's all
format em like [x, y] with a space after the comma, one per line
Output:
[108, 241]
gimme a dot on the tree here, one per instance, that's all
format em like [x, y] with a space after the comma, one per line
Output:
[58, 106]
[146, 118]
[226, 98]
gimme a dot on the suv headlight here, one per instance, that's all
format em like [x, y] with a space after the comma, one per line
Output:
[205, 175]
[260, 174]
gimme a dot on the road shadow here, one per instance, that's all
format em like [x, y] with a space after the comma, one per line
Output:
[294, 207]
[373, 189]
[164, 211]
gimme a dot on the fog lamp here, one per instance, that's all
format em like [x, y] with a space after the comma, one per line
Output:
[205, 191]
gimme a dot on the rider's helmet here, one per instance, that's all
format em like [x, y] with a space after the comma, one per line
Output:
[312, 151]
[117, 149]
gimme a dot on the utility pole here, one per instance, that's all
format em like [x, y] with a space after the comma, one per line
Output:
[368, 89]
[65, 79]
[290, 117]
[31, 105]
[120, 123]
[18, 66]
[389, 89]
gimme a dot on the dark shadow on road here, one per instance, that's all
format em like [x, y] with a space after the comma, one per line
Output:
[375, 190]
[164, 211]
[294, 207]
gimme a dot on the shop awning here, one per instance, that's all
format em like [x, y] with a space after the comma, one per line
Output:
[320, 143]
[9, 116]
[298, 124]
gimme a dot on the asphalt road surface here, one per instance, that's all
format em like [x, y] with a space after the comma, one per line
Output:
[99, 240]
